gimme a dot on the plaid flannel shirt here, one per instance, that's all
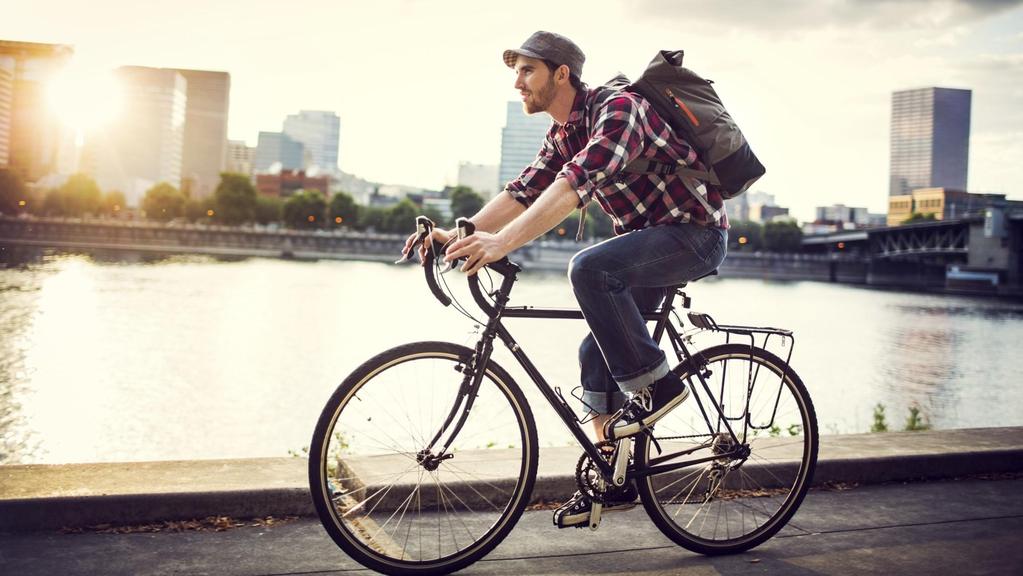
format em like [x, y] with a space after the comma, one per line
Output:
[606, 130]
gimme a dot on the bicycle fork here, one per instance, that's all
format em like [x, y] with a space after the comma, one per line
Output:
[473, 369]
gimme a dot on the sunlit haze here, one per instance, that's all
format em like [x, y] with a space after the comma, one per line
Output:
[85, 99]
[420, 86]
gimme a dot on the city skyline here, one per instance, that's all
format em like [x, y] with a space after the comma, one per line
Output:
[420, 88]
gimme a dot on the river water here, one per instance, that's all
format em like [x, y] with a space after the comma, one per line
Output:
[121, 359]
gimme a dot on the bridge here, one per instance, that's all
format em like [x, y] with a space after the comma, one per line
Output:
[943, 238]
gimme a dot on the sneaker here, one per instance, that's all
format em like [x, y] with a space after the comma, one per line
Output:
[647, 406]
[576, 512]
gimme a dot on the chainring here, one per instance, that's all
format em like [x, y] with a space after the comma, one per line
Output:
[588, 478]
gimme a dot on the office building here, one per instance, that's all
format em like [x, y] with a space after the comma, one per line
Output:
[287, 182]
[204, 154]
[32, 138]
[482, 178]
[276, 151]
[521, 138]
[843, 216]
[930, 139]
[939, 204]
[6, 107]
[319, 132]
[240, 157]
[144, 146]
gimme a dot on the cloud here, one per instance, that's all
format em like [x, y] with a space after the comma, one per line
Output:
[792, 15]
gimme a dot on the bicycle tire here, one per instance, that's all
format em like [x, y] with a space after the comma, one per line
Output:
[355, 463]
[723, 505]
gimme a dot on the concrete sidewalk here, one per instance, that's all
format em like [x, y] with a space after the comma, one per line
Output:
[946, 527]
[53, 496]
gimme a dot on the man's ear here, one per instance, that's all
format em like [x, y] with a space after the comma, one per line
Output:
[563, 72]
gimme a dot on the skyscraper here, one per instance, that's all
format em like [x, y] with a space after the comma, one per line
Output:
[31, 137]
[521, 139]
[144, 146]
[277, 148]
[319, 132]
[6, 106]
[204, 155]
[240, 157]
[930, 139]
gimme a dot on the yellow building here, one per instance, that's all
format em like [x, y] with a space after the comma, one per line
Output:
[942, 203]
[900, 208]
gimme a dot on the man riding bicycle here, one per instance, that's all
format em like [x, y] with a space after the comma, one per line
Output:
[665, 234]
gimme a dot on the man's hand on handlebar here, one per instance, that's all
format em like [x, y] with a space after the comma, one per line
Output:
[439, 236]
[479, 249]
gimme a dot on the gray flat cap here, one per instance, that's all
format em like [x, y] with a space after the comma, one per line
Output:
[549, 46]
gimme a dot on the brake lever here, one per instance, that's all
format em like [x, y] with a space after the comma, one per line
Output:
[412, 249]
[448, 266]
[463, 227]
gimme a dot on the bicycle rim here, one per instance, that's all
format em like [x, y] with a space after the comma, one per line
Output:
[376, 497]
[746, 495]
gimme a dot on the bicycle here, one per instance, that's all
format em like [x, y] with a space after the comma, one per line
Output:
[425, 456]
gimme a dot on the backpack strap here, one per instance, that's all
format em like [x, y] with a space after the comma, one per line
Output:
[642, 166]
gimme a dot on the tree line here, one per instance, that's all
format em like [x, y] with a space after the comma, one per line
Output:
[236, 201]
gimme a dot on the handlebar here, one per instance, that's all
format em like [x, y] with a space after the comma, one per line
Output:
[464, 227]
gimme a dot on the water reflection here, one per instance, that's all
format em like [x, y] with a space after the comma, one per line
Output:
[144, 357]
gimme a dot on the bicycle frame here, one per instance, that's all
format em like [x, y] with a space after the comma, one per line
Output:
[495, 329]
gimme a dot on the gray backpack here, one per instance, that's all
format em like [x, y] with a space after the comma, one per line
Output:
[689, 104]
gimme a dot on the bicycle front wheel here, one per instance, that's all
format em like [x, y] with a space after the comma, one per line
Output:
[754, 458]
[388, 498]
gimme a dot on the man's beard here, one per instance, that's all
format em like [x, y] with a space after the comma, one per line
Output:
[540, 100]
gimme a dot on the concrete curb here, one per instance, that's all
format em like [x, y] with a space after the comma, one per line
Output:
[43, 497]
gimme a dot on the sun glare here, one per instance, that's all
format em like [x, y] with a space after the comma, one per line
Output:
[85, 99]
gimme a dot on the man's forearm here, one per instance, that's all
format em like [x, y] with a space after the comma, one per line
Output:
[497, 213]
[553, 206]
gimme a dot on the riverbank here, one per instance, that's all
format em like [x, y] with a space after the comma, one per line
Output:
[28, 234]
[36, 497]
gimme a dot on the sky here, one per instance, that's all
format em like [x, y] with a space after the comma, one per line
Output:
[420, 86]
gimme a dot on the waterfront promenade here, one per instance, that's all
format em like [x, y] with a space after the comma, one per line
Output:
[894, 503]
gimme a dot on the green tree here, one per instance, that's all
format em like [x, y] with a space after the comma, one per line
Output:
[401, 217]
[234, 199]
[112, 203]
[465, 202]
[268, 209]
[13, 193]
[163, 202]
[918, 217]
[782, 237]
[372, 218]
[305, 209]
[200, 209]
[342, 210]
[78, 196]
[745, 236]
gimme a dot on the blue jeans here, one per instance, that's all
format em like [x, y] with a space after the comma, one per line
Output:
[617, 279]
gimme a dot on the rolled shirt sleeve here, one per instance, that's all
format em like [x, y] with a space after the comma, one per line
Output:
[540, 173]
[617, 139]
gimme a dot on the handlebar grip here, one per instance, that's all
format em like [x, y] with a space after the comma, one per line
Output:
[431, 277]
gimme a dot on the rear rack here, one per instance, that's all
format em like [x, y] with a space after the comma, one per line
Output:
[705, 322]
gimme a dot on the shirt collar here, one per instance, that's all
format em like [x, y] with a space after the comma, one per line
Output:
[575, 117]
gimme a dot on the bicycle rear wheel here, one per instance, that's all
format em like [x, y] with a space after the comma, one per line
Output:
[384, 504]
[749, 492]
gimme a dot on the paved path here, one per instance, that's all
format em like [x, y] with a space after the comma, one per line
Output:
[950, 527]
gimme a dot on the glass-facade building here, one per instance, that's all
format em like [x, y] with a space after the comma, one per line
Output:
[276, 148]
[319, 132]
[521, 139]
[930, 139]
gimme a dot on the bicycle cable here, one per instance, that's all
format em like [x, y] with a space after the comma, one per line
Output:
[455, 303]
